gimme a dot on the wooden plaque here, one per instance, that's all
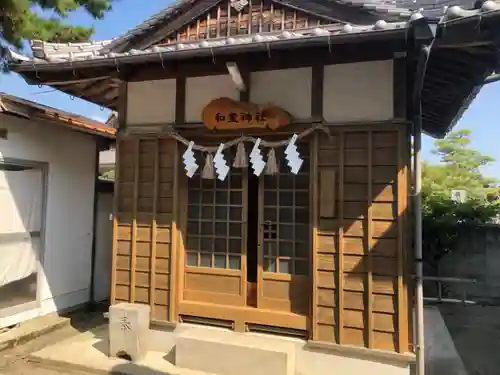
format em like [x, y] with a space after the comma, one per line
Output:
[229, 114]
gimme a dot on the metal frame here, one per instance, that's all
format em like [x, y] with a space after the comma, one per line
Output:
[44, 168]
[440, 280]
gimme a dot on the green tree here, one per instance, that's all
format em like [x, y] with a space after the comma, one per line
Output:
[459, 169]
[109, 175]
[24, 19]
[443, 218]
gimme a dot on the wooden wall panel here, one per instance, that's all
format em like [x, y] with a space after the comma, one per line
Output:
[257, 17]
[142, 240]
[360, 245]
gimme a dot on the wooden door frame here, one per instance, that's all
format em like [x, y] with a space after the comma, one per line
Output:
[43, 167]
[180, 248]
[240, 315]
[285, 277]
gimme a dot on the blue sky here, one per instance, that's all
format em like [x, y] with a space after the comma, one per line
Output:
[482, 117]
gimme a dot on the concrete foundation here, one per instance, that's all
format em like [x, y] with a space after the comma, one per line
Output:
[229, 353]
[190, 349]
[128, 330]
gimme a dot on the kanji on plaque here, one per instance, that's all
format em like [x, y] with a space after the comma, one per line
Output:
[226, 113]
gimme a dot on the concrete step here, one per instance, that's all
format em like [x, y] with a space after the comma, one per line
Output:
[228, 353]
[31, 329]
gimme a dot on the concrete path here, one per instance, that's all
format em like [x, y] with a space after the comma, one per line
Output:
[475, 331]
[27, 368]
[32, 329]
[88, 351]
[441, 356]
[20, 343]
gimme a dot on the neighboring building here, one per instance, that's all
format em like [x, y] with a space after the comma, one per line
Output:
[48, 187]
[107, 158]
[107, 164]
[324, 254]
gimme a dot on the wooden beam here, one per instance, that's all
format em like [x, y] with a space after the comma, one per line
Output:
[313, 186]
[109, 93]
[369, 247]
[340, 257]
[133, 256]
[330, 10]
[263, 60]
[116, 196]
[317, 81]
[122, 105]
[174, 246]
[256, 61]
[99, 87]
[246, 75]
[180, 100]
[403, 276]
[235, 73]
[316, 112]
[399, 88]
[156, 170]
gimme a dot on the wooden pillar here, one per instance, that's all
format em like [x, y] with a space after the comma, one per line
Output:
[122, 122]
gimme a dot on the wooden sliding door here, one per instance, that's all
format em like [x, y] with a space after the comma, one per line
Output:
[215, 263]
[284, 279]
[247, 248]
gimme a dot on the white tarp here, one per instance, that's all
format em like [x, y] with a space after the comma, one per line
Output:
[21, 196]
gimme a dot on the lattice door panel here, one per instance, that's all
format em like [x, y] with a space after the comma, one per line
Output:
[214, 261]
[215, 222]
[286, 237]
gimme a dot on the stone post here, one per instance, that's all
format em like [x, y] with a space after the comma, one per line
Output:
[128, 330]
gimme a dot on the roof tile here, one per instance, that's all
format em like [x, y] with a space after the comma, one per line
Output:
[14, 105]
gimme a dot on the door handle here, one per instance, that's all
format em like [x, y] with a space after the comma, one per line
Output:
[269, 229]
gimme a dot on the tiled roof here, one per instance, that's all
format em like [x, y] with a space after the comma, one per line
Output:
[44, 50]
[433, 9]
[398, 8]
[158, 18]
[396, 17]
[71, 52]
[14, 105]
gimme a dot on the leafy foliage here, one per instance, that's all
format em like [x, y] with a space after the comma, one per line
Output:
[443, 218]
[459, 169]
[444, 221]
[24, 19]
[109, 175]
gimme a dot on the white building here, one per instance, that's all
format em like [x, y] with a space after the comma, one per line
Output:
[50, 248]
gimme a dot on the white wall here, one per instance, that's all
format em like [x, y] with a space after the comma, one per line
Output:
[289, 89]
[202, 90]
[353, 92]
[361, 91]
[64, 278]
[151, 102]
